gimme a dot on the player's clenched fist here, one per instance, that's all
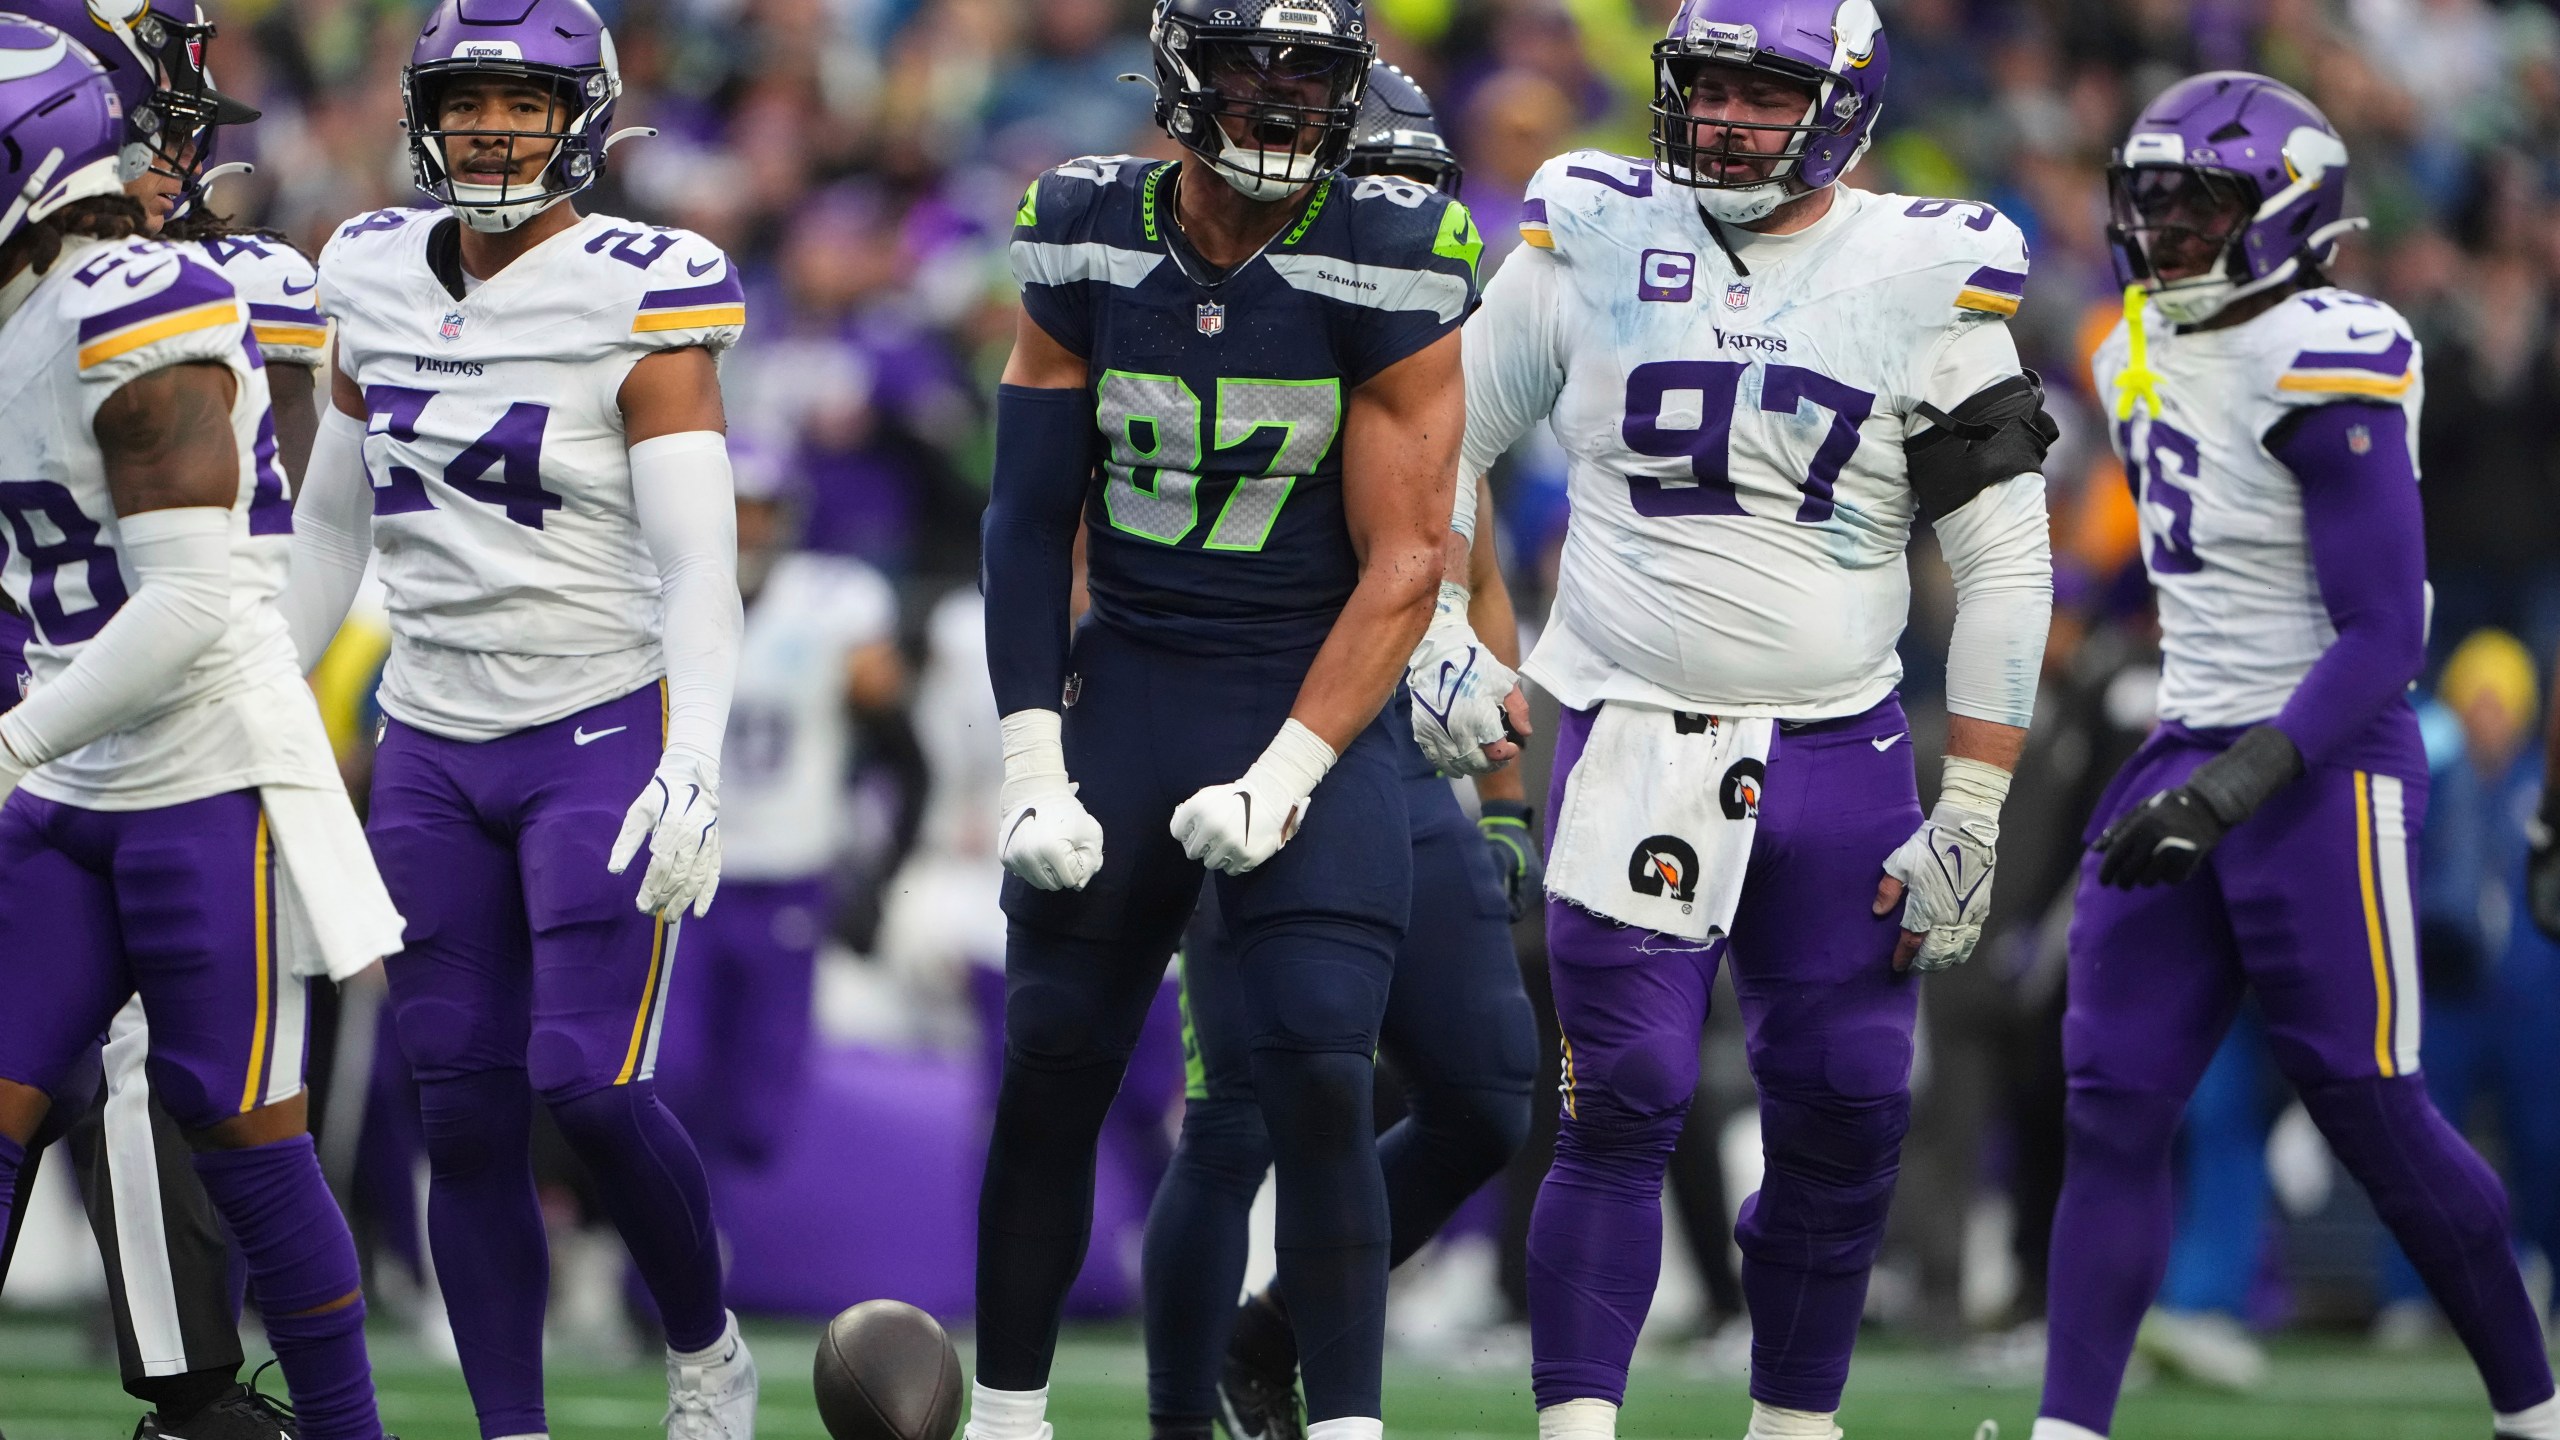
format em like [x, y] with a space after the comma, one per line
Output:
[678, 813]
[1236, 827]
[1047, 836]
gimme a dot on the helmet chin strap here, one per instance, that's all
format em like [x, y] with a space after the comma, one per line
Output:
[492, 216]
[1746, 204]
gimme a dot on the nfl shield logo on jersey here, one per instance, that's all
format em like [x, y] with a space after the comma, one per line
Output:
[2359, 440]
[452, 325]
[1213, 318]
[1737, 295]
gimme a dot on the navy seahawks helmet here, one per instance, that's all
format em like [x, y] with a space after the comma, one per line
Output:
[1396, 134]
[1266, 91]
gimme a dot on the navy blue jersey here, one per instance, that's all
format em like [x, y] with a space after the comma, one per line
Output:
[1215, 524]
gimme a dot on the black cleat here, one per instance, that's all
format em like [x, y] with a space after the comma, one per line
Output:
[1258, 1384]
[240, 1413]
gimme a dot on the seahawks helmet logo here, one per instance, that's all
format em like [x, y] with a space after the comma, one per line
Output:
[1664, 865]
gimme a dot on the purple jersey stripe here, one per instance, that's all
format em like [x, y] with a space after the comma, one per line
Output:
[2005, 282]
[284, 314]
[195, 285]
[1533, 212]
[724, 291]
[2394, 361]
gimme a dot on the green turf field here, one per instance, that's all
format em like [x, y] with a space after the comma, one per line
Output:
[50, 1389]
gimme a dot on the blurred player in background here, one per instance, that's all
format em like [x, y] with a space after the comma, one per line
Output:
[527, 426]
[168, 1287]
[1262, 358]
[2264, 837]
[179, 830]
[1458, 1029]
[820, 649]
[1761, 378]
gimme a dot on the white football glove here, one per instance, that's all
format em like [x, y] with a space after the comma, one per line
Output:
[679, 815]
[1945, 867]
[1458, 689]
[1236, 827]
[1047, 836]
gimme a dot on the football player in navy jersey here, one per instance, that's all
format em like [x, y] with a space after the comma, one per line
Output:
[1458, 1030]
[1238, 374]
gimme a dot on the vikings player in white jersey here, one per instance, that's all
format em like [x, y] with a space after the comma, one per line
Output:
[1760, 378]
[169, 1291]
[2262, 840]
[526, 427]
[177, 830]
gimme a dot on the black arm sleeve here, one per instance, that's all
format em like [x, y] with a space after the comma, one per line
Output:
[1044, 460]
[1998, 434]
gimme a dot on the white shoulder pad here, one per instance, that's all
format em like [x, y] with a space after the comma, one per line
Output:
[1969, 250]
[2330, 344]
[365, 246]
[1586, 195]
[281, 289]
[142, 306]
[687, 292]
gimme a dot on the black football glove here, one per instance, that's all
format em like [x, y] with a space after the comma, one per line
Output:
[2542, 863]
[2162, 840]
[1510, 832]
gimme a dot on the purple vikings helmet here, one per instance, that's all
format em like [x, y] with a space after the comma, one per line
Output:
[1835, 46]
[2228, 168]
[61, 126]
[154, 54]
[557, 45]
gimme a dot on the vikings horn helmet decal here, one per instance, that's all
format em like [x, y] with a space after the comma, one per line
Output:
[557, 45]
[61, 126]
[153, 53]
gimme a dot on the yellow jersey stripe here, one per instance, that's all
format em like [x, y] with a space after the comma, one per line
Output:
[1989, 301]
[2345, 382]
[1538, 236]
[263, 961]
[696, 317]
[200, 317]
[309, 337]
[2373, 926]
[648, 1001]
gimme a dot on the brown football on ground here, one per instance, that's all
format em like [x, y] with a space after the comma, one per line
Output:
[887, 1372]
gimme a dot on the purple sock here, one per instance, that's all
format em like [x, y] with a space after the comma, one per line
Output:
[302, 1268]
[2449, 1213]
[653, 1187]
[2111, 1235]
[484, 1227]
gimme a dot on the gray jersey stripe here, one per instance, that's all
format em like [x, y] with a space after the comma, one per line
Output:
[1379, 287]
[1038, 262]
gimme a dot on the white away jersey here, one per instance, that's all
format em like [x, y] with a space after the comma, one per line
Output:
[519, 588]
[281, 290]
[2241, 618]
[783, 764]
[107, 313]
[1734, 441]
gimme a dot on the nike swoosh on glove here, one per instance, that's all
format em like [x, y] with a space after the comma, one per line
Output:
[1052, 841]
[678, 813]
[1945, 870]
[1510, 832]
[1458, 689]
[1235, 827]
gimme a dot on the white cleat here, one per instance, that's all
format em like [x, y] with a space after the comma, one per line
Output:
[712, 1396]
[2205, 1347]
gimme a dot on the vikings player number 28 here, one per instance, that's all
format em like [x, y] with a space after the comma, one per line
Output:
[1152, 486]
[1659, 424]
[23, 503]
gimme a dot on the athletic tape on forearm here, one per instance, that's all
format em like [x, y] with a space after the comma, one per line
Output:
[181, 562]
[332, 535]
[1035, 760]
[1976, 785]
[1295, 761]
[685, 498]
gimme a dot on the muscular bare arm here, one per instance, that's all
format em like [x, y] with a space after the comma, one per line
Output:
[167, 442]
[293, 396]
[1400, 434]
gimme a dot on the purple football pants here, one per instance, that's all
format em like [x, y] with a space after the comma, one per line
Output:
[2307, 905]
[529, 972]
[179, 904]
[1829, 1027]
[736, 1050]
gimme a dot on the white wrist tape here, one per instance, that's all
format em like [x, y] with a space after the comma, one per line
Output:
[1973, 784]
[1035, 759]
[1294, 763]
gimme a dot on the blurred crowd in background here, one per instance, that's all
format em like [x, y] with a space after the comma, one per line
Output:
[861, 160]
